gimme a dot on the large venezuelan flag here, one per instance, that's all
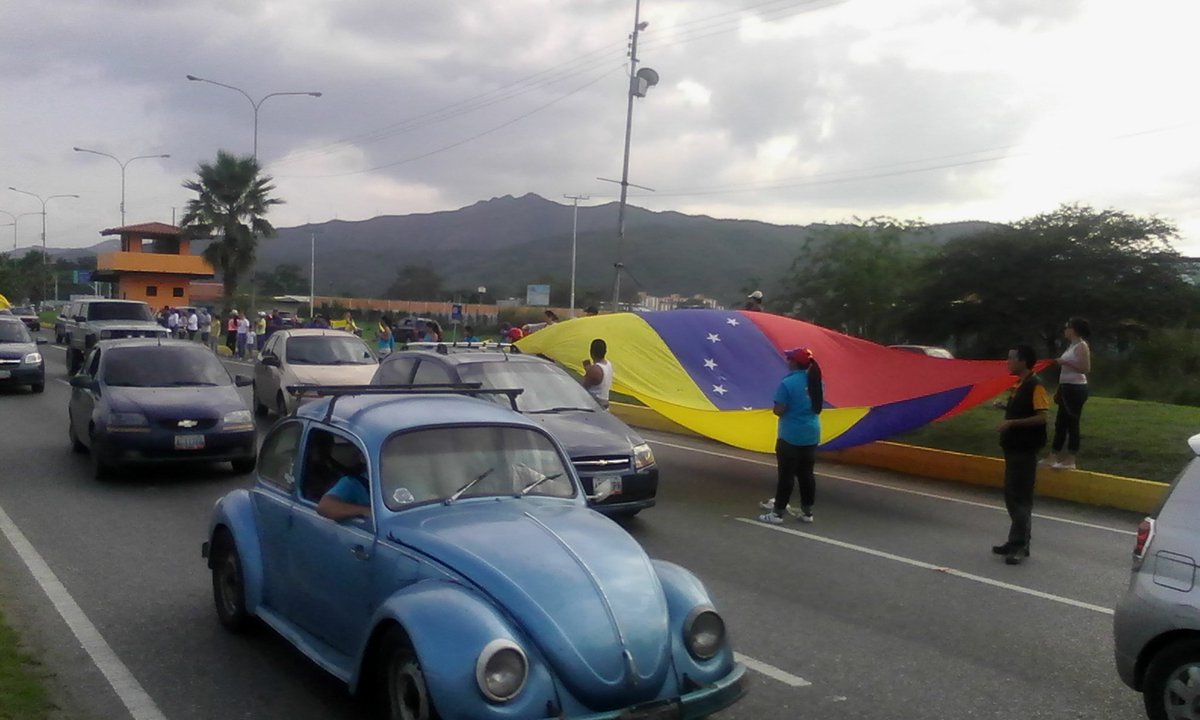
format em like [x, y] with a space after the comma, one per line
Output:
[716, 371]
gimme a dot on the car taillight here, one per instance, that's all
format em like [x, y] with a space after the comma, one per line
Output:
[1145, 532]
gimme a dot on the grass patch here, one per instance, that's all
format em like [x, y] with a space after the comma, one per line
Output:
[1146, 440]
[23, 694]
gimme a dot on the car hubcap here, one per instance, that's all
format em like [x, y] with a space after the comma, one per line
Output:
[1181, 697]
[228, 582]
[408, 693]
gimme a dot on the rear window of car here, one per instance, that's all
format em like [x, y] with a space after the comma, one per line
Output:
[163, 366]
[118, 311]
[328, 350]
[432, 465]
[23, 310]
[14, 332]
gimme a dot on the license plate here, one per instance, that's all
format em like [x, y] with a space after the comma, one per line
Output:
[614, 480]
[5, 374]
[189, 442]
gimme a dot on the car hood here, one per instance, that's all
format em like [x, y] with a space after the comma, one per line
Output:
[334, 374]
[124, 325]
[579, 585]
[197, 403]
[588, 433]
[16, 350]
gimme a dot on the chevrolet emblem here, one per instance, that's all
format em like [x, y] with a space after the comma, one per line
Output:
[188, 423]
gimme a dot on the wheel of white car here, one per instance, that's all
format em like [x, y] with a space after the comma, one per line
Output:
[407, 693]
[1172, 687]
[281, 404]
[259, 409]
[229, 590]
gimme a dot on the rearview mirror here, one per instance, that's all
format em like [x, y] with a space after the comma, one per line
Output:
[270, 361]
[242, 381]
[83, 382]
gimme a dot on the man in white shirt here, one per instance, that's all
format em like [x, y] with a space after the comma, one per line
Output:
[173, 322]
[243, 330]
[598, 373]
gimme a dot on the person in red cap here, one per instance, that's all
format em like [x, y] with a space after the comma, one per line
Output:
[798, 402]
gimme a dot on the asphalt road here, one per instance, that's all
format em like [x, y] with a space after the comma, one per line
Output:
[889, 605]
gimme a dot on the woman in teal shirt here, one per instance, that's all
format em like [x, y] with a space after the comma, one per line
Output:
[797, 403]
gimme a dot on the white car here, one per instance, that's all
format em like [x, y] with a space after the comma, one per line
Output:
[308, 357]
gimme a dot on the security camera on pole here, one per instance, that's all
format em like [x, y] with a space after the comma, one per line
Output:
[639, 82]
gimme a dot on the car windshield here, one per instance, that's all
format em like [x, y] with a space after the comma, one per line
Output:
[163, 366]
[119, 311]
[548, 388]
[328, 350]
[23, 310]
[435, 464]
[14, 332]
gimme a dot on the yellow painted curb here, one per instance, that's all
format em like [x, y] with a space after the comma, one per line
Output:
[1082, 486]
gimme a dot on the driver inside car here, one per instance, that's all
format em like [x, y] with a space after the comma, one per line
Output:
[349, 496]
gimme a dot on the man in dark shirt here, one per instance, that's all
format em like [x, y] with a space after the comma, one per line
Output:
[1022, 435]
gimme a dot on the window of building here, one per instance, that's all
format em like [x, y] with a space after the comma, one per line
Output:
[151, 291]
[177, 292]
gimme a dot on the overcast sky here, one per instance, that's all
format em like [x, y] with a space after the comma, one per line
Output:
[792, 111]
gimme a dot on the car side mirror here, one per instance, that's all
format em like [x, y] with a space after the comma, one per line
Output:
[242, 381]
[84, 382]
[43, 341]
[270, 361]
[601, 490]
[79, 318]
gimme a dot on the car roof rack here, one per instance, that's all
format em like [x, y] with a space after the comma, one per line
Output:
[337, 391]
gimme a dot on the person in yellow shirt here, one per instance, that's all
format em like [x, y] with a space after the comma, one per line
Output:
[260, 330]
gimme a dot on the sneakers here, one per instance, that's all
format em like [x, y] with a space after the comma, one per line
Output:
[1068, 465]
[805, 515]
[770, 518]
[1016, 554]
[769, 504]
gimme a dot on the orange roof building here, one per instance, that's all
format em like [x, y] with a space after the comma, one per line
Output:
[154, 264]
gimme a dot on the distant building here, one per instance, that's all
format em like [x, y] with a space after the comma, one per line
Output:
[154, 264]
[676, 302]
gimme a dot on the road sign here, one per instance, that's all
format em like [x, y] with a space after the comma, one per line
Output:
[456, 312]
[82, 277]
[537, 295]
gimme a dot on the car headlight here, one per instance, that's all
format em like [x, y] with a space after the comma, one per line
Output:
[643, 456]
[703, 632]
[126, 420]
[105, 334]
[238, 420]
[501, 670]
[33, 358]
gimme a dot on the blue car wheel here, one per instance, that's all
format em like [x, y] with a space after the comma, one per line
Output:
[407, 693]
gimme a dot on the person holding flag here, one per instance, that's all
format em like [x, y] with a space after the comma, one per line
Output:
[798, 402]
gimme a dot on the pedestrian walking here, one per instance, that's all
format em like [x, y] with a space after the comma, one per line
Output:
[1022, 436]
[260, 331]
[1072, 393]
[243, 333]
[204, 322]
[598, 372]
[193, 324]
[231, 332]
[173, 322]
[798, 402]
[384, 339]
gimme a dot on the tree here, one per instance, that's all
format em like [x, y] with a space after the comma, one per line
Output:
[23, 278]
[1021, 283]
[283, 280]
[232, 201]
[415, 282]
[854, 278]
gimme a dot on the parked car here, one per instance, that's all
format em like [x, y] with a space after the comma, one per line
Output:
[1156, 625]
[293, 358]
[601, 446]
[93, 320]
[930, 350]
[477, 584]
[156, 400]
[21, 362]
[28, 316]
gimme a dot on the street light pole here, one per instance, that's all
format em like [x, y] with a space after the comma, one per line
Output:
[574, 232]
[122, 164]
[43, 201]
[256, 104]
[15, 218]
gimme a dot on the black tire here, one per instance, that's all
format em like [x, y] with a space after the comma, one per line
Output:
[100, 469]
[76, 445]
[405, 693]
[1166, 677]
[38, 387]
[229, 590]
[241, 466]
[281, 405]
[259, 409]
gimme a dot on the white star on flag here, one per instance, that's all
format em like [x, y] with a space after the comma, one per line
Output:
[710, 363]
[747, 407]
[714, 338]
[719, 389]
[732, 321]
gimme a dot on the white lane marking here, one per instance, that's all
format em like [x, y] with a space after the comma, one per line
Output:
[64, 382]
[919, 493]
[771, 671]
[135, 699]
[930, 566]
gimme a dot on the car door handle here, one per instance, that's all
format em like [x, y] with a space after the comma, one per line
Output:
[359, 552]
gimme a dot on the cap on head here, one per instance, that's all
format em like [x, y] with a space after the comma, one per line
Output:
[756, 295]
[802, 356]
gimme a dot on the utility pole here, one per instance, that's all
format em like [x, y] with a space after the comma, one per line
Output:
[574, 233]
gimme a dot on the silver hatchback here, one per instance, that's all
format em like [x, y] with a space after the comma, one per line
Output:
[1157, 623]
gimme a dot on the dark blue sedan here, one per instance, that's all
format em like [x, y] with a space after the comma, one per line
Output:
[150, 400]
[466, 577]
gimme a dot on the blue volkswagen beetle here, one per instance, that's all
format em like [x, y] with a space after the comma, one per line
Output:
[473, 582]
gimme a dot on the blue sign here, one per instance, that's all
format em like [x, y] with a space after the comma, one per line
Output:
[537, 295]
[456, 312]
[82, 276]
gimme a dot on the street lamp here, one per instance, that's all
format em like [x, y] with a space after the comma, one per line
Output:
[122, 164]
[43, 201]
[639, 82]
[574, 231]
[253, 103]
[15, 218]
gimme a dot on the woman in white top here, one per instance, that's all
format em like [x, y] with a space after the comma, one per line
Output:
[598, 373]
[1075, 363]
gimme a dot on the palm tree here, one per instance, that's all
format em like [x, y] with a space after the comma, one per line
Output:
[230, 207]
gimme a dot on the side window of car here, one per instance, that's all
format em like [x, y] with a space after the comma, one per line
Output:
[396, 372]
[93, 363]
[328, 457]
[431, 372]
[277, 458]
[271, 346]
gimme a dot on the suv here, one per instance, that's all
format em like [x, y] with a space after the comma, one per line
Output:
[28, 316]
[1156, 625]
[606, 453]
[88, 321]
